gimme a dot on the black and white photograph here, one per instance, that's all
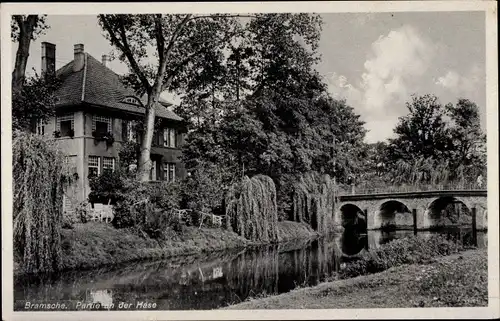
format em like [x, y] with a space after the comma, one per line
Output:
[249, 157]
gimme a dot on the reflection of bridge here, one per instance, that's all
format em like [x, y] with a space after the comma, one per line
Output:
[411, 209]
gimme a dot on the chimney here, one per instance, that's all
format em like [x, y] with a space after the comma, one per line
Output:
[79, 59]
[104, 60]
[48, 58]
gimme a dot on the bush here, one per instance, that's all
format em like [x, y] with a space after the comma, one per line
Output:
[410, 250]
[148, 208]
[109, 186]
[82, 211]
[205, 188]
[67, 223]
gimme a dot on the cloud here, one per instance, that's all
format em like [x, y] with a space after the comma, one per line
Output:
[340, 88]
[396, 61]
[461, 84]
[395, 64]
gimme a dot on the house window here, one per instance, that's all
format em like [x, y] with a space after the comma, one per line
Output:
[132, 100]
[169, 137]
[65, 124]
[101, 124]
[108, 164]
[40, 127]
[152, 173]
[169, 172]
[94, 166]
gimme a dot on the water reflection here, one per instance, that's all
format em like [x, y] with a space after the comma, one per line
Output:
[208, 281]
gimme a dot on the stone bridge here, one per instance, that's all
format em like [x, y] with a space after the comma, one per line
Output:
[417, 210]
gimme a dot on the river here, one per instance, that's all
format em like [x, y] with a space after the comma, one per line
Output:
[206, 281]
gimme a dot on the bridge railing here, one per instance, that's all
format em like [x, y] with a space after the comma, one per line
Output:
[411, 188]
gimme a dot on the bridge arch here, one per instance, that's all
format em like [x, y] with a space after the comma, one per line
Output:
[393, 214]
[352, 217]
[448, 211]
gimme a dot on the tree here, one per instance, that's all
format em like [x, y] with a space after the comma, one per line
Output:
[34, 101]
[468, 146]
[269, 52]
[429, 149]
[23, 30]
[421, 133]
[181, 44]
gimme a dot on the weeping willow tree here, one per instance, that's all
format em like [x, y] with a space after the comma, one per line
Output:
[314, 200]
[40, 175]
[252, 210]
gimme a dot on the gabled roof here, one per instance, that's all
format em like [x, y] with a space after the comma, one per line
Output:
[98, 85]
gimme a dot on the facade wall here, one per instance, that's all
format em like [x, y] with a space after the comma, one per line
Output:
[83, 144]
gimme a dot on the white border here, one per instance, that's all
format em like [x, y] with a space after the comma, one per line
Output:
[490, 7]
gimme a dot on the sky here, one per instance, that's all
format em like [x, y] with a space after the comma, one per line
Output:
[375, 61]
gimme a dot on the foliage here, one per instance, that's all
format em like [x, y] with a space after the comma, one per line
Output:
[205, 187]
[410, 250]
[314, 201]
[436, 144]
[128, 154]
[82, 211]
[37, 212]
[19, 21]
[107, 137]
[34, 102]
[462, 283]
[182, 45]
[147, 207]
[110, 186]
[251, 208]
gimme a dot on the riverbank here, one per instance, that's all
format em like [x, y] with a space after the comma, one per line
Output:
[449, 281]
[94, 245]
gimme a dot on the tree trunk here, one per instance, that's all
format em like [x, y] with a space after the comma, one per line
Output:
[26, 28]
[144, 166]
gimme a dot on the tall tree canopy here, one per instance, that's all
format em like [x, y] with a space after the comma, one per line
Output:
[436, 143]
[162, 51]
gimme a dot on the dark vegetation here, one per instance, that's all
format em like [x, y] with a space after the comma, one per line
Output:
[410, 250]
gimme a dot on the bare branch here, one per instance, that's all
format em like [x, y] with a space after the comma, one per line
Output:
[176, 35]
[125, 48]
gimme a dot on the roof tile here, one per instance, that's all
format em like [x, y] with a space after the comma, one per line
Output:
[103, 87]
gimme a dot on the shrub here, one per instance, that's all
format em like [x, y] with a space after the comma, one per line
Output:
[67, 223]
[110, 185]
[129, 154]
[148, 208]
[410, 250]
[82, 211]
[205, 187]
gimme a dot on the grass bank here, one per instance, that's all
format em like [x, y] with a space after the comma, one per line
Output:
[93, 245]
[455, 280]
